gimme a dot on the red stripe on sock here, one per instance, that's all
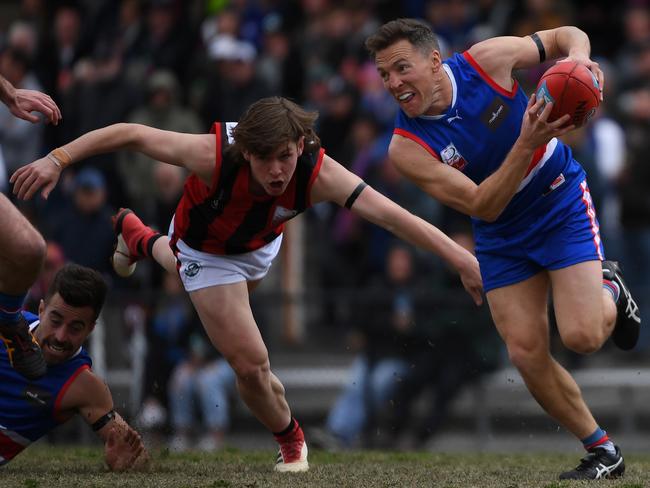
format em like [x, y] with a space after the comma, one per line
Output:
[600, 441]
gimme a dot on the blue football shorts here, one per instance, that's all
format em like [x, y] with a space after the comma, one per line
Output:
[562, 235]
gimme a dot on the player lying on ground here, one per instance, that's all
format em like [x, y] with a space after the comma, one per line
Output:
[30, 409]
[247, 180]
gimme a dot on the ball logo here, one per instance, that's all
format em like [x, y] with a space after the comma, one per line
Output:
[581, 114]
[192, 269]
[542, 92]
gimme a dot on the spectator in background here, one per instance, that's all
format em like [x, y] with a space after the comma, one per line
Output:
[23, 37]
[634, 183]
[162, 110]
[388, 181]
[374, 100]
[280, 64]
[19, 138]
[205, 384]
[454, 21]
[233, 77]
[383, 325]
[455, 346]
[338, 116]
[59, 50]
[169, 188]
[167, 39]
[636, 29]
[172, 321]
[100, 94]
[83, 228]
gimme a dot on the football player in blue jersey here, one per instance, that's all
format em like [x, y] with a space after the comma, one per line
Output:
[467, 135]
[22, 249]
[30, 409]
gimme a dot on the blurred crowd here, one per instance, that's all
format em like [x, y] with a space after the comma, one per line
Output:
[182, 64]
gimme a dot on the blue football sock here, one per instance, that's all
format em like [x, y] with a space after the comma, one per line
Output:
[599, 439]
[613, 288]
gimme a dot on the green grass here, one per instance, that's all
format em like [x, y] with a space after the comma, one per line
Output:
[45, 467]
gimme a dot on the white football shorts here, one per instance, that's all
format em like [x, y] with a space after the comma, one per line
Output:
[201, 270]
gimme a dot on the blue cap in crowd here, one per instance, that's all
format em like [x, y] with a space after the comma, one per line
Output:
[90, 179]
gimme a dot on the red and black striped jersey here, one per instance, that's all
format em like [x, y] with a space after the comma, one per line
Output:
[226, 218]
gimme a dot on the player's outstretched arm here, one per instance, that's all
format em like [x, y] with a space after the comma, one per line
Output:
[22, 102]
[89, 396]
[336, 184]
[196, 152]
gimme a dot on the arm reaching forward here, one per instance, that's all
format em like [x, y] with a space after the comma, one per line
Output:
[338, 185]
[196, 152]
[89, 396]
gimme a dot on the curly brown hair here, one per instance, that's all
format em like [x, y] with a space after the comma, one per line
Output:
[271, 122]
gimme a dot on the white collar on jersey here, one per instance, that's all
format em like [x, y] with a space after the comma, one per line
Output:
[454, 95]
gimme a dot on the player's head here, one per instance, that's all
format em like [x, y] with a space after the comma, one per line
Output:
[270, 136]
[407, 56]
[69, 311]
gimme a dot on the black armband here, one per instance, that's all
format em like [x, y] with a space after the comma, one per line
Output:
[540, 47]
[103, 420]
[354, 195]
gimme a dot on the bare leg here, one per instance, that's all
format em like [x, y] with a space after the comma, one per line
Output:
[585, 312]
[22, 250]
[226, 315]
[163, 254]
[520, 314]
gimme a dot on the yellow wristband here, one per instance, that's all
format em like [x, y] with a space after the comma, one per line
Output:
[62, 156]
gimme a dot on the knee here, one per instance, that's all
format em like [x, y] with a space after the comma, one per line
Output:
[583, 340]
[30, 254]
[251, 370]
[525, 357]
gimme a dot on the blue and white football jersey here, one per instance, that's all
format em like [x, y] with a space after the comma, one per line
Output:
[474, 136]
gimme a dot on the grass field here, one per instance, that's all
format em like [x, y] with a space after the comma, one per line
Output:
[43, 467]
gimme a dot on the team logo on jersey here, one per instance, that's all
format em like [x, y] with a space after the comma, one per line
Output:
[452, 157]
[36, 396]
[192, 269]
[495, 114]
[455, 117]
[282, 214]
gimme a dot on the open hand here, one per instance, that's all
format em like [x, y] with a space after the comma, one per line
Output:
[536, 130]
[593, 66]
[41, 174]
[124, 450]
